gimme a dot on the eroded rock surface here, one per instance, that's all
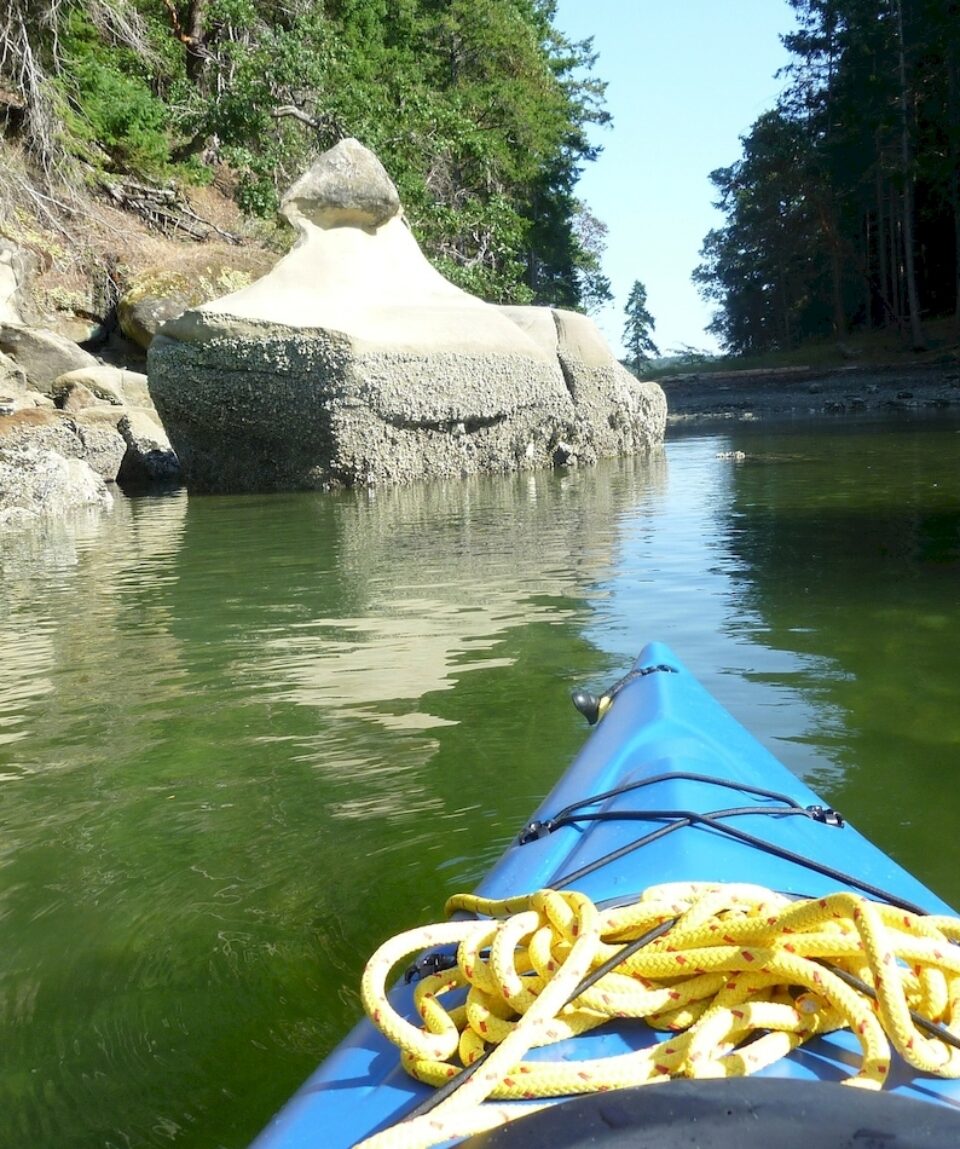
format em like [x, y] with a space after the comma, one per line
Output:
[355, 362]
[38, 482]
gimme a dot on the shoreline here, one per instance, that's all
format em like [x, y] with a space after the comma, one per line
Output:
[806, 392]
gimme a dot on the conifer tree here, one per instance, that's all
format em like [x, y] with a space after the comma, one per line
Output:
[638, 329]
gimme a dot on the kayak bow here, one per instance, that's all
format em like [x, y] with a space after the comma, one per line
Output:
[653, 842]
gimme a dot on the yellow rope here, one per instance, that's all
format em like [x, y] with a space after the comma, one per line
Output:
[737, 982]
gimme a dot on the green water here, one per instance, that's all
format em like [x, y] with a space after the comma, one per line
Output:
[242, 739]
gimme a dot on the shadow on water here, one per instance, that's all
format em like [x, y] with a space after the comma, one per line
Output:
[850, 544]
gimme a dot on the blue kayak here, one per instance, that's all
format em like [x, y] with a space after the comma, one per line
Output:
[669, 788]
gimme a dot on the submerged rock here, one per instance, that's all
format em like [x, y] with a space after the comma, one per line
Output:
[355, 362]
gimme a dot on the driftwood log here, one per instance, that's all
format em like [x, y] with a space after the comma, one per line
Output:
[165, 209]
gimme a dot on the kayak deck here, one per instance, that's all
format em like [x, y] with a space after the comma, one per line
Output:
[659, 749]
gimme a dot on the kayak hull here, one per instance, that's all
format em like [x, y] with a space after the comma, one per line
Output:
[663, 725]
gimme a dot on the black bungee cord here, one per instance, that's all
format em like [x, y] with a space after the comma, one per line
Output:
[679, 819]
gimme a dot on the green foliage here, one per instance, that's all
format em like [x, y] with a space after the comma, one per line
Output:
[843, 212]
[123, 116]
[109, 103]
[479, 109]
[638, 329]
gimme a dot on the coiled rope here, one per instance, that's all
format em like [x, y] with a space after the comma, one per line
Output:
[738, 976]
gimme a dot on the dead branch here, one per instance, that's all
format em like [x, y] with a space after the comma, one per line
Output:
[119, 21]
[326, 125]
[20, 23]
[298, 114]
[164, 209]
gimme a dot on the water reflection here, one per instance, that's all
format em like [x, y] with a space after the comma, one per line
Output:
[440, 572]
[25, 678]
[851, 547]
[80, 615]
[244, 737]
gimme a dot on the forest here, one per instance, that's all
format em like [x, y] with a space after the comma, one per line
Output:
[842, 214]
[843, 211]
[479, 109]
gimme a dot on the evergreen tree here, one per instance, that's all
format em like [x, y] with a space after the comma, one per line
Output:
[638, 329]
[844, 209]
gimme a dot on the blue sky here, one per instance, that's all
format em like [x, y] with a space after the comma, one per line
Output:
[686, 79]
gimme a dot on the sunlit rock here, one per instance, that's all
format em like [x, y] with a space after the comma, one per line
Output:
[42, 355]
[355, 362]
[36, 482]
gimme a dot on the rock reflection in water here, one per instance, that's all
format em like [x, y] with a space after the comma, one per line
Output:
[438, 573]
[74, 593]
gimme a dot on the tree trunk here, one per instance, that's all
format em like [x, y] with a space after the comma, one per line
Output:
[189, 30]
[196, 40]
[882, 249]
[953, 138]
[828, 227]
[956, 249]
[917, 340]
[785, 308]
[896, 263]
[836, 282]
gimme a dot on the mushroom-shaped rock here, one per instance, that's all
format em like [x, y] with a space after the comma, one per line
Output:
[354, 361]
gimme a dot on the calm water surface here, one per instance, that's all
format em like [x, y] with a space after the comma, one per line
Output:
[242, 739]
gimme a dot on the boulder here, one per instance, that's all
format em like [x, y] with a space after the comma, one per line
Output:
[73, 397]
[350, 187]
[42, 355]
[16, 267]
[83, 435]
[157, 294]
[115, 385]
[36, 482]
[149, 458]
[616, 414]
[101, 444]
[13, 386]
[57, 402]
[79, 328]
[355, 362]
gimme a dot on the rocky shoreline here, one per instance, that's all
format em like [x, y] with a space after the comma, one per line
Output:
[348, 361]
[807, 392]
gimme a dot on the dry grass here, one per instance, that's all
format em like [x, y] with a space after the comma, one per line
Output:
[87, 249]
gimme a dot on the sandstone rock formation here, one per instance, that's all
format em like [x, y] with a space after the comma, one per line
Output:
[16, 265]
[42, 355]
[99, 416]
[355, 362]
[57, 399]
